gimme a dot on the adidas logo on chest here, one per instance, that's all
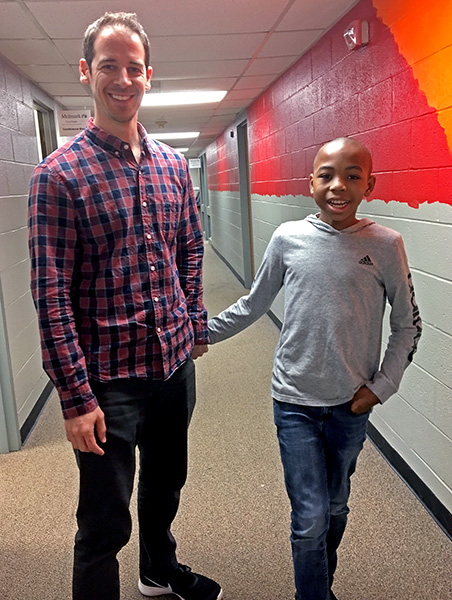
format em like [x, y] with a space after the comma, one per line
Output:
[366, 260]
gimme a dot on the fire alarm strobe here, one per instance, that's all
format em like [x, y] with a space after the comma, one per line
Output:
[357, 34]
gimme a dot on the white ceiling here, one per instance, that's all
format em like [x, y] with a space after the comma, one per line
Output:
[236, 45]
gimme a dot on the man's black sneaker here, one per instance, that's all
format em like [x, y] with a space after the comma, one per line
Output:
[332, 596]
[182, 583]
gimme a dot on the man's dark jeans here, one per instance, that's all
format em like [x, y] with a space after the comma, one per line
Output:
[153, 415]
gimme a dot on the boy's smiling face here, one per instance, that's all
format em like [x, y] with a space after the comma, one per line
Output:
[341, 179]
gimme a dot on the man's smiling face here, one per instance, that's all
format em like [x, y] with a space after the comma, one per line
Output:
[118, 76]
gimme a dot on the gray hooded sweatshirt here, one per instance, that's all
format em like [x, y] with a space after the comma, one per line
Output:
[336, 284]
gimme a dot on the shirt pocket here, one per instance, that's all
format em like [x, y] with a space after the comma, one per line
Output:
[167, 209]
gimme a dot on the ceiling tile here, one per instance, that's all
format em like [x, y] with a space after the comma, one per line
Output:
[173, 126]
[248, 83]
[318, 15]
[268, 66]
[209, 83]
[206, 68]
[243, 94]
[59, 89]
[162, 17]
[75, 70]
[287, 43]
[176, 111]
[235, 103]
[198, 47]
[224, 112]
[70, 18]
[15, 23]
[25, 52]
[75, 101]
[173, 143]
[50, 73]
[173, 17]
[220, 121]
[71, 50]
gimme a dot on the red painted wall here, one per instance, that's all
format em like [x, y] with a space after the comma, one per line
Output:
[371, 94]
[222, 163]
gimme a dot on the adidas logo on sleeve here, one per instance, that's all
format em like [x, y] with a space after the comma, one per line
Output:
[366, 260]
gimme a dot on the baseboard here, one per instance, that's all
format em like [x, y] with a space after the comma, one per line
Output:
[32, 418]
[275, 319]
[239, 277]
[424, 494]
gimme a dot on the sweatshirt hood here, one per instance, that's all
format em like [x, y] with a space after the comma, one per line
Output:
[361, 224]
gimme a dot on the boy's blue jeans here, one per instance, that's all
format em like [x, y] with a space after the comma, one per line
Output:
[319, 448]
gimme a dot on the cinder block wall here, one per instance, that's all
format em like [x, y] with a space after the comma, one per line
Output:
[224, 195]
[393, 95]
[23, 379]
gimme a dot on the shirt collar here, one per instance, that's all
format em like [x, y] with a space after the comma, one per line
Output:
[115, 145]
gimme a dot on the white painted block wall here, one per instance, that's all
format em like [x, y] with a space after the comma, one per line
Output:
[267, 213]
[226, 228]
[417, 421]
[18, 156]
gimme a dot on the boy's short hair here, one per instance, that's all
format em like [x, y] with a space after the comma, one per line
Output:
[350, 140]
[123, 20]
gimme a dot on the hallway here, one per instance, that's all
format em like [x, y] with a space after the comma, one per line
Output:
[234, 519]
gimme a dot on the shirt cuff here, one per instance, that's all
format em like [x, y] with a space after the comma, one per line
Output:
[75, 403]
[382, 388]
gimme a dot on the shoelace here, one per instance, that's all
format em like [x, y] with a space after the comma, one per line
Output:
[184, 573]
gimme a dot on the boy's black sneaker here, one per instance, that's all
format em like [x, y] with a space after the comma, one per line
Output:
[182, 583]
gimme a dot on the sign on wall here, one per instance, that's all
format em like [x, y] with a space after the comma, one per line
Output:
[72, 122]
[194, 163]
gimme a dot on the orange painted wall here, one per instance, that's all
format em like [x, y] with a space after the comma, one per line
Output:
[395, 95]
[423, 33]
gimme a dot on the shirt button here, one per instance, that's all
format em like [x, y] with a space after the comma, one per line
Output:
[156, 299]
[145, 203]
[148, 235]
[159, 329]
[126, 146]
[117, 153]
[152, 268]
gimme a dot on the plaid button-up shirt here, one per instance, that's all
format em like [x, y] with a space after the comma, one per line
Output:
[116, 250]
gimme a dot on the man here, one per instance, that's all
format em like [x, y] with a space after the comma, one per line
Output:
[116, 250]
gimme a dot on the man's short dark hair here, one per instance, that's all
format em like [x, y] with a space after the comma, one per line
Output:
[122, 20]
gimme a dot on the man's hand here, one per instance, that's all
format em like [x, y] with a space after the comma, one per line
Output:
[363, 401]
[80, 431]
[199, 350]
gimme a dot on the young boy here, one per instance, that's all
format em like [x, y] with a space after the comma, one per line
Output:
[337, 273]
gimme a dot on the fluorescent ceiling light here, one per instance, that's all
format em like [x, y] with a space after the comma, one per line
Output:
[179, 98]
[181, 135]
[181, 149]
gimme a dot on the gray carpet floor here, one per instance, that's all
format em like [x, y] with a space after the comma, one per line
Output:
[233, 524]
